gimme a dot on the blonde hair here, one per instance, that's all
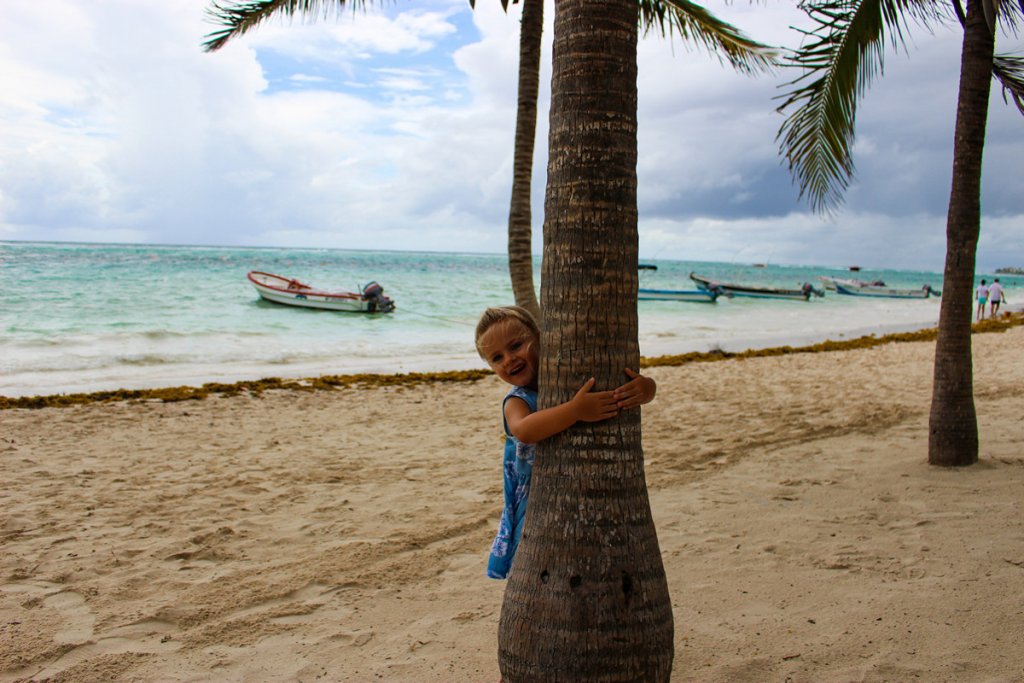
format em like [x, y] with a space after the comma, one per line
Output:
[499, 314]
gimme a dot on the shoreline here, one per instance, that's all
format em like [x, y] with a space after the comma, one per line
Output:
[411, 379]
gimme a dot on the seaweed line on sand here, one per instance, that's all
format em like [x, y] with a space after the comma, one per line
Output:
[406, 380]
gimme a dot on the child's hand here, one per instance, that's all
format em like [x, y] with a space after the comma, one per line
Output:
[594, 406]
[636, 392]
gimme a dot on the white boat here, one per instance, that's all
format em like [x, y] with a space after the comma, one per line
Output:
[291, 292]
[702, 296]
[850, 288]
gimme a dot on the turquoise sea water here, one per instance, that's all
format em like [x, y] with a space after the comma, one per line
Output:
[86, 317]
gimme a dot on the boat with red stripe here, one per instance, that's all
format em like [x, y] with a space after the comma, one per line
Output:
[291, 292]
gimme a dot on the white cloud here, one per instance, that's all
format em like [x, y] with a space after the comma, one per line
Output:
[852, 240]
[304, 78]
[349, 34]
[394, 128]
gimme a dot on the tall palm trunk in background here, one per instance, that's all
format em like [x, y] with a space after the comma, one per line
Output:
[953, 423]
[587, 598]
[838, 60]
[520, 218]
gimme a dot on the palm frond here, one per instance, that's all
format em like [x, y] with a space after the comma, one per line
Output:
[1009, 71]
[840, 58]
[1011, 16]
[238, 18]
[1005, 13]
[504, 4]
[990, 8]
[694, 23]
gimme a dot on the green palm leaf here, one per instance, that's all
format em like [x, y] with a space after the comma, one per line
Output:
[1009, 71]
[695, 24]
[238, 18]
[843, 53]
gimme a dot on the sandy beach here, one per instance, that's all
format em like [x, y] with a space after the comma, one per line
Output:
[342, 535]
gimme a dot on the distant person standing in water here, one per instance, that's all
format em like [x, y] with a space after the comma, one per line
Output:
[995, 297]
[981, 294]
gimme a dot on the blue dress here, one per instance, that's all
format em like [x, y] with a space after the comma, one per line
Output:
[517, 465]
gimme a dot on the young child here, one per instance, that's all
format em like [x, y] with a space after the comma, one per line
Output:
[981, 294]
[508, 339]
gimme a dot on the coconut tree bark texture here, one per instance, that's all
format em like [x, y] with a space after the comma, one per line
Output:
[953, 422]
[587, 598]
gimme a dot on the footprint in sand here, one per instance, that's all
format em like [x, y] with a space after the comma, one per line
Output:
[298, 602]
[352, 638]
[147, 628]
[150, 636]
[78, 618]
[472, 615]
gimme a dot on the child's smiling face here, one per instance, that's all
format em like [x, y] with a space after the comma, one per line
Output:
[511, 351]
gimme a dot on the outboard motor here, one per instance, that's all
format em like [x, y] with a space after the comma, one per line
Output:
[808, 289]
[379, 303]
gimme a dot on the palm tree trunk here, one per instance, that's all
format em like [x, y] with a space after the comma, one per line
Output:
[587, 599]
[520, 237]
[953, 423]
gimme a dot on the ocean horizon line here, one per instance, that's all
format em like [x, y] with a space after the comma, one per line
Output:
[539, 256]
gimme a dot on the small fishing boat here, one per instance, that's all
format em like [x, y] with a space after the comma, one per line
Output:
[829, 282]
[854, 288]
[291, 292]
[703, 296]
[805, 292]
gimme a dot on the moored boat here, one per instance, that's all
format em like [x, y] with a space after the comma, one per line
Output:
[829, 282]
[853, 288]
[291, 292]
[702, 296]
[805, 292]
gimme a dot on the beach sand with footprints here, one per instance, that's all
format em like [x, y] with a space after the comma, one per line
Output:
[342, 535]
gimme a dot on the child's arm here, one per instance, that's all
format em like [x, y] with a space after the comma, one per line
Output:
[585, 406]
[636, 391]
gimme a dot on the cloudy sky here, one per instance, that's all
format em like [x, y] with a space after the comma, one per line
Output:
[393, 129]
